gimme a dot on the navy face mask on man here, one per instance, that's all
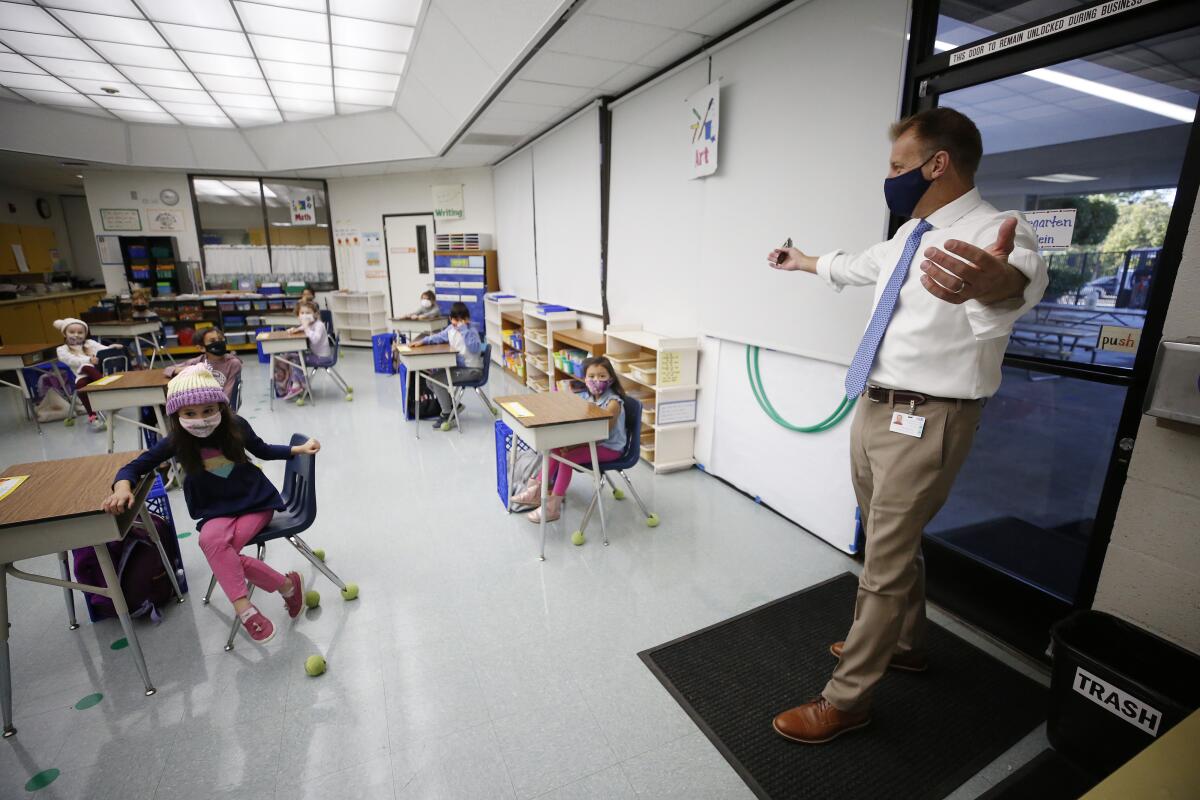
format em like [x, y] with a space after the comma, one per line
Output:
[905, 190]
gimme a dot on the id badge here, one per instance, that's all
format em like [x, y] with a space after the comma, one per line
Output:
[908, 424]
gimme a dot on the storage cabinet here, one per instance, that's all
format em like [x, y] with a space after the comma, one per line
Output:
[37, 243]
[465, 276]
[357, 316]
[30, 320]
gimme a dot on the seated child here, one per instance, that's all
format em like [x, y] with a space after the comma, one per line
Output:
[229, 495]
[78, 352]
[605, 390]
[289, 380]
[462, 337]
[225, 366]
[428, 309]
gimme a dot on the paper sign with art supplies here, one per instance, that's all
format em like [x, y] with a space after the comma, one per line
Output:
[9, 484]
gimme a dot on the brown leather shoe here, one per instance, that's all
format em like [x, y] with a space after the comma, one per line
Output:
[817, 721]
[908, 662]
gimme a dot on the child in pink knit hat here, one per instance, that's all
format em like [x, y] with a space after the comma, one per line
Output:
[229, 496]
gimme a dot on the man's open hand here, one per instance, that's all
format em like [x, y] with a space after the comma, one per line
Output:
[982, 274]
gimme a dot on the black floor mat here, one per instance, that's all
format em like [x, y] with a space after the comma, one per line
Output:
[929, 732]
[1048, 776]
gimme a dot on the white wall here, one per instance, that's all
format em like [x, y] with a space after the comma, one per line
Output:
[360, 203]
[140, 189]
[1151, 572]
[514, 225]
[85, 258]
[24, 203]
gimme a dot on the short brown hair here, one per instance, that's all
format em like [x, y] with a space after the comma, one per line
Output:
[945, 129]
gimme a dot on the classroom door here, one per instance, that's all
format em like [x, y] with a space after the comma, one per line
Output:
[408, 239]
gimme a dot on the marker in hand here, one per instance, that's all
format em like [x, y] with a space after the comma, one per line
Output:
[783, 251]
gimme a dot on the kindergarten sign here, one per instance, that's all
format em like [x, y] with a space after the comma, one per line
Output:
[1054, 227]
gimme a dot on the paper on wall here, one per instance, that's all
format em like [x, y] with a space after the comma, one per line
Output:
[1054, 227]
[19, 255]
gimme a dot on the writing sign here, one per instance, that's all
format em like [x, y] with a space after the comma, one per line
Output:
[448, 201]
[1054, 227]
[1117, 339]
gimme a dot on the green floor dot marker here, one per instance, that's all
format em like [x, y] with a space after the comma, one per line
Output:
[185, 534]
[41, 780]
[89, 701]
[119, 644]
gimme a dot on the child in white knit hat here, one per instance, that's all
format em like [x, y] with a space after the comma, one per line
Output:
[78, 352]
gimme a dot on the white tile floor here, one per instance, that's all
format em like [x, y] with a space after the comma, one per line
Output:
[467, 669]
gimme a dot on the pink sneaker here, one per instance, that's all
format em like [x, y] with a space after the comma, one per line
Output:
[295, 600]
[259, 627]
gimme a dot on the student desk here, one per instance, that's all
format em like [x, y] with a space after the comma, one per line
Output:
[143, 387]
[550, 421]
[59, 508]
[279, 345]
[417, 326]
[280, 320]
[417, 360]
[140, 332]
[17, 357]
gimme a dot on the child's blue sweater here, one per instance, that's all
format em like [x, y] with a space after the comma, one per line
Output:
[223, 488]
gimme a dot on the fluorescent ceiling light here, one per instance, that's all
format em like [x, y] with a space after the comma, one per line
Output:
[69, 68]
[135, 56]
[166, 94]
[128, 103]
[362, 58]
[1061, 177]
[11, 62]
[365, 97]
[316, 107]
[297, 73]
[403, 12]
[97, 87]
[268, 192]
[201, 13]
[111, 29]
[302, 91]
[116, 8]
[306, 5]
[233, 100]
[159, 118]
[206, 108]
[206, 40]
[211, 188]
[352, 108]
[285, 22]
[145, 76]
[254, 116]
[375, 35]
[272, 48]
[25, 80]
[31, 19]
[55, 98]
[39, 44]
[225, 83]
[206, 120]
[221, 65]
[1096, 89]
[354, 79]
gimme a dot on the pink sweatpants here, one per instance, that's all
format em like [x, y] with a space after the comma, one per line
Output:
[560, 474]
[222, 539]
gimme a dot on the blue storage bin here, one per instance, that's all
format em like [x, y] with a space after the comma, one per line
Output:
[381, 348]
[504, 443]
[263, 358]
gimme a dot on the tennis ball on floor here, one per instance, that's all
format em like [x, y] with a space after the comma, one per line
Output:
[350, 592]
[300, 402]
[577, 538]
[69, 422]
[312, 598]
[319, 553]
[314, 665]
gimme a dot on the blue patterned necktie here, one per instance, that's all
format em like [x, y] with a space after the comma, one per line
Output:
[864, 357]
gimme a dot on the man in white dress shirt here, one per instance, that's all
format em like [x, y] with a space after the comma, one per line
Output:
[930, 356]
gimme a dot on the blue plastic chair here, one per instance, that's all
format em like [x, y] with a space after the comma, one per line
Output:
[478, 385]
[299, 495]
[113, 359]
[235, 396]
[329, 364]
[629, 459]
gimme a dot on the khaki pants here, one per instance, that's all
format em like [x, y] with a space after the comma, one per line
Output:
[901, 483]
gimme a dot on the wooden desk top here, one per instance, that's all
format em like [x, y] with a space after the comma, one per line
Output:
[552, 408]
[425, 350]
[134, 379]
[277, 335]
[72, 487]
[443, 321]
[585, 340]
[26, 351]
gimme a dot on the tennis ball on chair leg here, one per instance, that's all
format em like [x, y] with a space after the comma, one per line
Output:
[319, 553]
[314, 665]
[350, 592]
[312, 598]
[577, 538]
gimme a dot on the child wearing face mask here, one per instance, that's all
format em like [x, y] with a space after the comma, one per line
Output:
[603, 389]
[462, 337]
[225, 366]
[311, 326]
[428, 308]
[78, 352]
[229, 495]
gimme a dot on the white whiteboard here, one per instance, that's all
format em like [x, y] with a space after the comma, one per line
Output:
[805, 105]
[513, 187]
[566, 204]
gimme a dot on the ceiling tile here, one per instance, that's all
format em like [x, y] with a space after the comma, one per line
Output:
[160, 118]
[127, 103]
[571, 70]
[273, 48]
[31, 19]
[373, 60]
[402, 12]
[69, 68]
[221, 65]
[525, 112]
[613, 39]
[116, 8]
[205, 108]
[625, 79]
[56, 98]
[302, 91]
[678, 14]
[146, 76]
[206, 120]
[547, 94]
[97, 87]
[297, 73]
[225, 83]
[365, 97]
[304, 5]
[375, 35]
[292, 104]
[672, 50]
[499, 32]
[354, 108]
[300, 116]
[39, 44]
[355, 79]
[206, 40]
[93, 110]
[25, 80]
[166, 94]
[122, 54]
[11, 62]
[286, 22]
[111, 29]
[234, 100]
[251, 117]
[508, 127]
[201, 13]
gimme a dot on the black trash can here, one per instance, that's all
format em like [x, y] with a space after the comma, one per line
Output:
[1115, 689]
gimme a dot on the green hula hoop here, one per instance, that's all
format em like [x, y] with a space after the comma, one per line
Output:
[760, 394]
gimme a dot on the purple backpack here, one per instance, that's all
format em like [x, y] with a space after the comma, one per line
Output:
[140, 571]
